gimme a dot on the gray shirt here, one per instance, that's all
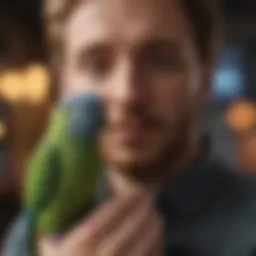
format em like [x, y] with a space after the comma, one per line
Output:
[208, 210]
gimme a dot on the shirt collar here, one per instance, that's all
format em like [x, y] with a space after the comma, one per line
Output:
[190, 190]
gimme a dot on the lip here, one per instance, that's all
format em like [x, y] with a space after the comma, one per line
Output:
[131, 132]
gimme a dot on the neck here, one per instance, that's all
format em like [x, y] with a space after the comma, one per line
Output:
[123, 184]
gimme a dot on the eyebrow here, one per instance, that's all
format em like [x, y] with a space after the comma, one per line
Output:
[149, 44]
[94, 48]
[159, 44]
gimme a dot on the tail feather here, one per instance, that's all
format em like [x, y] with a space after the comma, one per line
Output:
[32, 235]
[20, 238]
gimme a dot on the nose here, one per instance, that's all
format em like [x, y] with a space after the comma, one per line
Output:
[125, 88]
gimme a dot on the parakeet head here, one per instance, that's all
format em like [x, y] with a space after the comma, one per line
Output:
[86, 115]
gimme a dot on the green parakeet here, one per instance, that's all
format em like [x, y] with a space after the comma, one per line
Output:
[65, 168]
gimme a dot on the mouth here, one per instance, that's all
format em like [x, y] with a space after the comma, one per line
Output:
[133, 132]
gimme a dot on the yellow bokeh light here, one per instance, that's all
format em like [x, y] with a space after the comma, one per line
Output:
[11, 86]
[241, 116]
[37, 84]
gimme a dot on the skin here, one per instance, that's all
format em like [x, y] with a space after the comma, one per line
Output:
[140, 55]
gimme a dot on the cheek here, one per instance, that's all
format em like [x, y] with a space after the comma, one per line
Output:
[171, 93]
[74, 82]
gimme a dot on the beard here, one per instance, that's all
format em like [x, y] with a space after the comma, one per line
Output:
[174, 145]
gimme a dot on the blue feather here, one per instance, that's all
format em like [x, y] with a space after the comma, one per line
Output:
[86, 115]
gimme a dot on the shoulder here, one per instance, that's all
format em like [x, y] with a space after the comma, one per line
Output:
[236, 188]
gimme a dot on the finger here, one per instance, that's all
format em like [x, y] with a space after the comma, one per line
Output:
[120, 241]
[46, 247]
[104, 218]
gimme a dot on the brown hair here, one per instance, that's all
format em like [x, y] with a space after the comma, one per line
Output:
[204, 16]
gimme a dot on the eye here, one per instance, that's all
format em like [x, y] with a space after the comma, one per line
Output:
[98, 65]
[96, 61]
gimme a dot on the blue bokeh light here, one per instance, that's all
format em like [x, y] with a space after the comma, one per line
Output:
[229, 81]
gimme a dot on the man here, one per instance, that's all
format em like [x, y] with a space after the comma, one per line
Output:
[152, 61]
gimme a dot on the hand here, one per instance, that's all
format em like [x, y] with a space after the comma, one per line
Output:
[122, 227]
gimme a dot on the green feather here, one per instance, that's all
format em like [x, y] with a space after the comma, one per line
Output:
[62, 177]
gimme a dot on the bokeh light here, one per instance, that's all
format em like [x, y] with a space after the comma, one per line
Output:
[11, 86]
[36, 84]
[241, 116]
[31, 85]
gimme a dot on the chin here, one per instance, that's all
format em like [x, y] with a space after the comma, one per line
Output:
[136, 158]
[134, 162]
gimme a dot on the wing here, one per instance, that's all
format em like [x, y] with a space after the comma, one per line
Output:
[43, 177]
[44, 168]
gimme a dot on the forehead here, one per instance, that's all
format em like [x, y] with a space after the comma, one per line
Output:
[125, 22]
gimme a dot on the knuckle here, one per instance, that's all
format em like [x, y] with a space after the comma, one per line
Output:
[106, 249]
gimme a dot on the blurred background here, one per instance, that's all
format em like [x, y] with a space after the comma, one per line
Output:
[26, 93]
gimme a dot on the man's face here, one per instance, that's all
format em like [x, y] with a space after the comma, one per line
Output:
[141, 56]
